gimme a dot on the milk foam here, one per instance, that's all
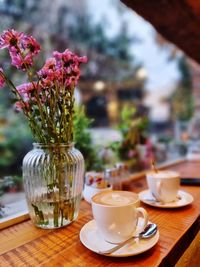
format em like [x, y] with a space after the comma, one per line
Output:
[164, 174]
[115, 198]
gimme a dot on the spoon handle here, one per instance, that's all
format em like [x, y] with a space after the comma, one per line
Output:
[115, 248]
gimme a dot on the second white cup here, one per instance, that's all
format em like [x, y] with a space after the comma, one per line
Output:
[164, 185]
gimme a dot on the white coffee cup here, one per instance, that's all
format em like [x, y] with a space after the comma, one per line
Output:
[116, 214]
[164, 185]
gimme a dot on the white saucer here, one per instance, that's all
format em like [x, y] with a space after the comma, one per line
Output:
[92, 240]
[185, 199]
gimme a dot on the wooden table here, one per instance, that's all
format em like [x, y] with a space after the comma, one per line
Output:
[25, 245]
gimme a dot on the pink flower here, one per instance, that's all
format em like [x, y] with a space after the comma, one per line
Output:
[72, 80]
[75, 68]
[19, 106]
[2, 79]
[48, 81]
[57, 55]
[27, 87]
[21, 47]
[67, 65]
[68, 58]
[31, 44]
[83, 59]
[20, 62]
[65, 56]
[10, 38]
[48, 74]
[49, 64]
[77, 60]
[48, 69]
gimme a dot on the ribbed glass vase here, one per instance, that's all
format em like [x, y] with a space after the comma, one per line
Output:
[53, 184]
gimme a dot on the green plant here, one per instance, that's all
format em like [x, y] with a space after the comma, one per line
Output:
[83, 140]
[133, 130]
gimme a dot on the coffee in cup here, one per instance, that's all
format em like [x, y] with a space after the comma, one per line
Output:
[116, 214]
[164, 185]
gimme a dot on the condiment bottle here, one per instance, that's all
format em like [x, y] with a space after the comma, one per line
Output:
[113, 177]
[123, 171]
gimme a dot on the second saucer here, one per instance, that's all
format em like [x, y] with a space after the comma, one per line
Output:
[183, 199]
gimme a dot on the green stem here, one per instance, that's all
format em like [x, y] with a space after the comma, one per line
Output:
[56, 214]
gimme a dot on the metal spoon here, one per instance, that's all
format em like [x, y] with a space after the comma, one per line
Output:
[155, 201]
[149, 231]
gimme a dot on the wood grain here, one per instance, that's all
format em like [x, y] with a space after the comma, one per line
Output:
[26, 245]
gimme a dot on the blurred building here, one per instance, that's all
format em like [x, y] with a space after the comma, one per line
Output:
[104, 100]
[158, 103]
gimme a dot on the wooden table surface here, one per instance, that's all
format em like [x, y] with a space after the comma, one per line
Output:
[25, 245]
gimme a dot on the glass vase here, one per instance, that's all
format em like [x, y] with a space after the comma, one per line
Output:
[53, 183]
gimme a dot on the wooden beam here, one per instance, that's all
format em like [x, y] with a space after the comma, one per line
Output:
[177, 20]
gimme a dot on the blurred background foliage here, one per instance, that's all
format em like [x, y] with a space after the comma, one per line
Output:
[83, 141]
[133, 130]
[68, 26]
[15, 141]
[182, 99]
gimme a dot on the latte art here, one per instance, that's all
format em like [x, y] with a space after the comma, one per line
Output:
[115, 198]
